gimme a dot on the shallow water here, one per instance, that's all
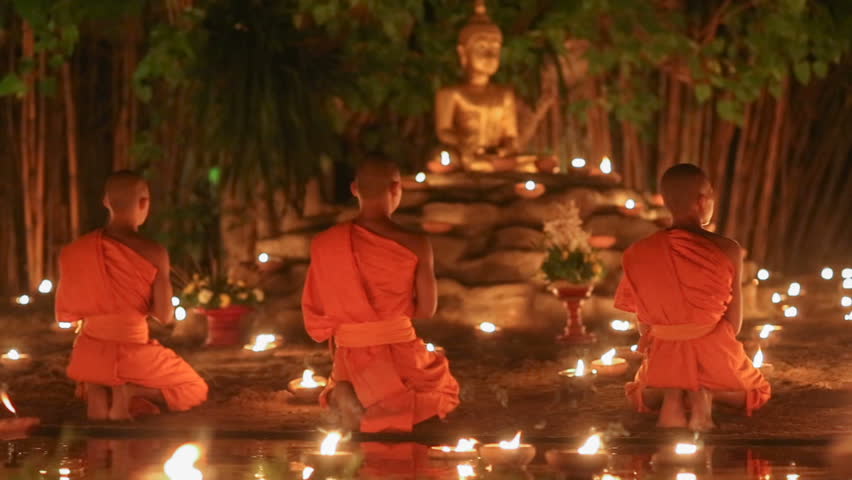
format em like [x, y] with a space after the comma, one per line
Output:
[70, 458]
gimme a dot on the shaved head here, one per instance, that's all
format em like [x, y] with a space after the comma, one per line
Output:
[682, 186]
[124, 190]
[376, 177]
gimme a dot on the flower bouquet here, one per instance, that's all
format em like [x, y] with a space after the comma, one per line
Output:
[572, 267]
[224, 302]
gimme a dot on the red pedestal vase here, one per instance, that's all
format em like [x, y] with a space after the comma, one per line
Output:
[224, 325]
[573, 296]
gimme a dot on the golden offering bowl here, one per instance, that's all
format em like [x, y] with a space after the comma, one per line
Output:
[492, 454]
[307, 394]
[618, 367]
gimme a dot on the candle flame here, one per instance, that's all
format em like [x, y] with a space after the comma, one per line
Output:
[847, 283]
[686, 476]
[630, 204]
[607, 476]
[634, 348]
[776, 297]
[846, 301]
[65, 325]
[513, 444]
[846, 272]
[445, 158]
[763, 274]
[308, 379]
[488, 327]
[686, 448]
[848, 316]
[827, 273]
[307, 472]
[592, 445]
[329, 445]
[46, 286]
[607, 357]
[606, 165]
[530, 185]
[181, 465]
[175, 301]
[791, 312]
[420, 177]
[580, 370]
[758, 359]
[465, 471]
[430, 347]
[794, 289]
[621, 325]
[263, 342]
[7, 402]
[766, 330]
[578, 162]
[180, 314]
[263, 257]
[465, 445]
[13, 355]
[23, 300]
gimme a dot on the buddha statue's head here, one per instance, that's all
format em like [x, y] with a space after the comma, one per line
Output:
[479, 44]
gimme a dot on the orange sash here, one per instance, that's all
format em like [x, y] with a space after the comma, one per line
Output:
[368, 334]
[683, 331]
[129, 327]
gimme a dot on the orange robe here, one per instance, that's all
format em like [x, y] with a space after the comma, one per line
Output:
[108, 285]
[680, 284]
[360, 291]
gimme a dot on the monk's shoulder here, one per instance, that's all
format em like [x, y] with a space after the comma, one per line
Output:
[414, 241]
[77, 245]
[151, 250]
[729, 246]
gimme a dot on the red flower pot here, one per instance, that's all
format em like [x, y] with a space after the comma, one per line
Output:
[573, 296]
[224, 325]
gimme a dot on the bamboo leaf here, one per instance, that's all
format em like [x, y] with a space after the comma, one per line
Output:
[12, 84]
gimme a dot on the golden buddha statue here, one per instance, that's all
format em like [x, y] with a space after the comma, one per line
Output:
[478, 119]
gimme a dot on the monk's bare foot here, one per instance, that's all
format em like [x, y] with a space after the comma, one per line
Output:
[673, 410]
[120, 408]
[344, 400]
[97, 402]
[701, 406]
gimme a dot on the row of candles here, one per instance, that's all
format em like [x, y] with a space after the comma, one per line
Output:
[794, 289]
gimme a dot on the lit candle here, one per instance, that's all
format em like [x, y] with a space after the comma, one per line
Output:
[630, 204]
[686, 476]
[763, 274]
[621, 326]
[307, 389]
[445, 158]
[329, 459]
[431, 347]
[578, 162]
[511, 453]
[180, 314]
[264, 342]
[14, 428]
[777, 297]
[14, 360]
[465, 471]
[175, 301]
[764, 332]
[846, 301]
[760, 364]
[464, 449]
[263, 257]
[23, 299]
[488, 327]
[682, 454]
[609, 365]
[847, 283]
[529, 189]
[181, 465]
[790, 311]
[846, 272]
[848, 316]
[578, 377]
[420, 177]
[606, 166]
[794, 289]
[827, 273]
[586, 459]
[45, 287]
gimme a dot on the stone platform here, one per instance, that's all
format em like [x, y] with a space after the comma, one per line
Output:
[488, 253]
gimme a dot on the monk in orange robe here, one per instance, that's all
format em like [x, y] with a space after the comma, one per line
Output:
[112, 280]
[367, 280]
[684, 285]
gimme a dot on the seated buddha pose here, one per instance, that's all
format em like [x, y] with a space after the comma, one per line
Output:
[113, 279]
[684, 285]
[368, 279]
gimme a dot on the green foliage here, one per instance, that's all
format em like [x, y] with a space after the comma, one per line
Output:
[573, 266]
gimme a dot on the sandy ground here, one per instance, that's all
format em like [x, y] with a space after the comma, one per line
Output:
[508, 380]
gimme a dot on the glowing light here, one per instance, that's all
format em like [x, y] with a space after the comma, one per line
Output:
[794, 289]
[848, 316]
[791, 312]
[763, 274]
[846, 302]
[465, 471]
[420, 177]
[181, 466]
[846, 273]
[634, 348]
[13, 355]
[530, 185]
[514, 444]
[621, 325]
[488, 327]
[847, 283]
[607, 476]
[23, 300]
[792, 476]
[578, 162]
[65, 471]
[175, 301]
[580, 369]
[7, 402]
[430, 347]
[46, 286]
[606, 166]
[686, 448]
[464, 445]
[827, 273]
[607, 357]
[263, 257]
[591, 446]
[308, 380]
[686, 476]
[65, 325]
[307, 472]
[630, 204]
[758, 359]
[766, 330]
[264, 342]
[445, 158]
[180, 314]
[777, 298]
[329, 445]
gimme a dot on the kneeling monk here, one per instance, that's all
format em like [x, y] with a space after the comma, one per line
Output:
[684, 285]
[367, 280]
[113, 279]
